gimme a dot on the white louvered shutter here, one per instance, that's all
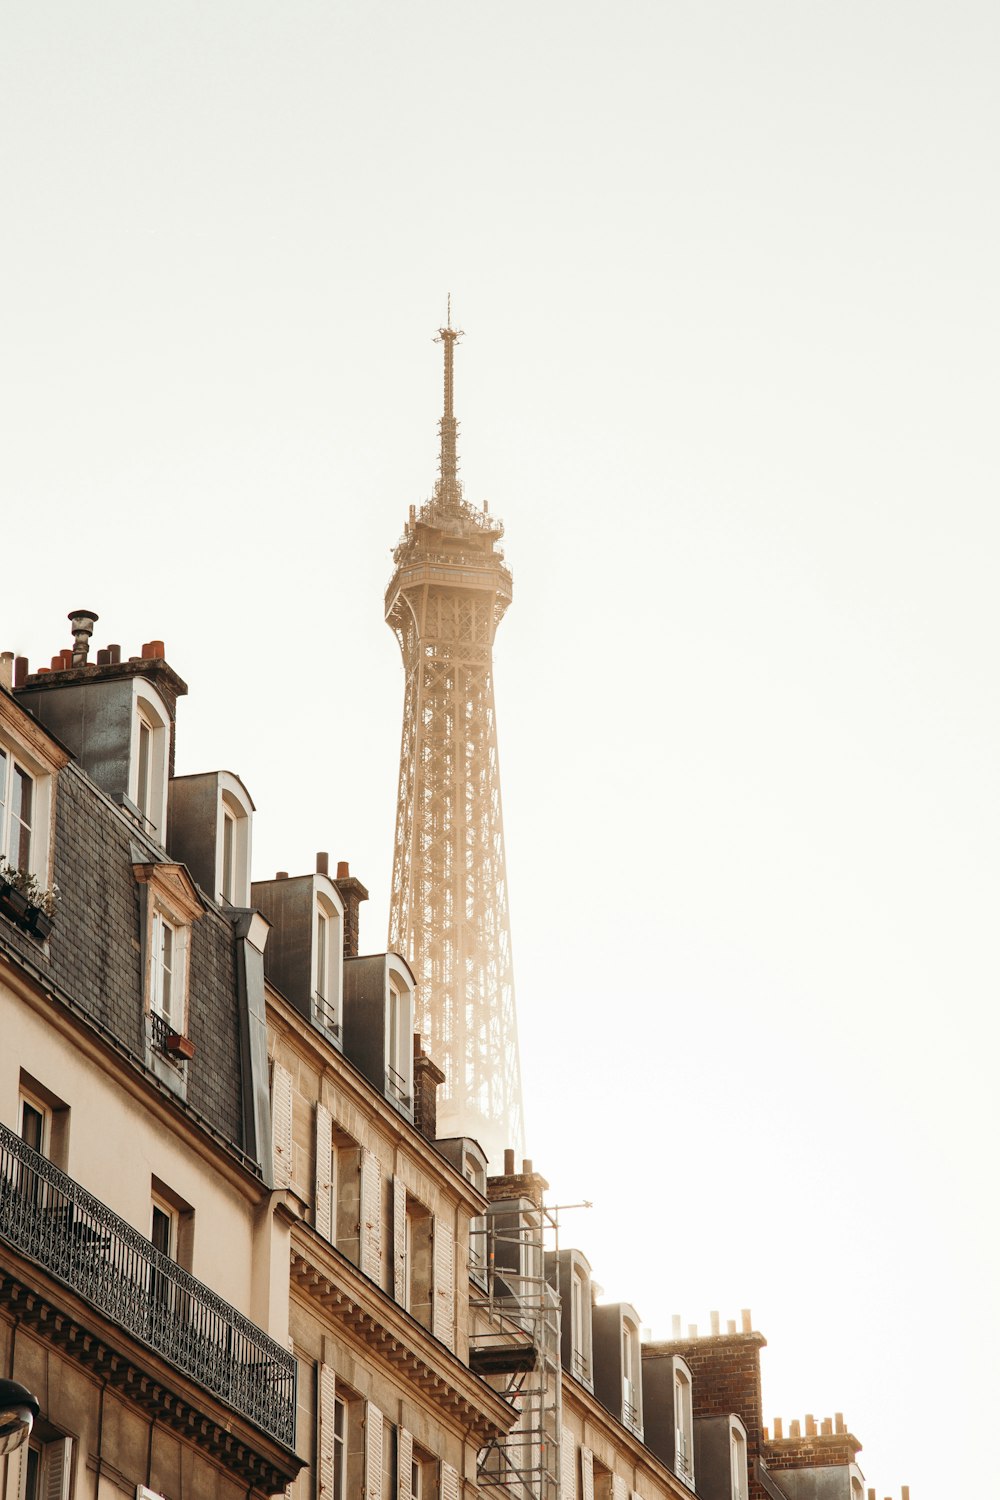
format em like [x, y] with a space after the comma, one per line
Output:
[586, 1474]
[373, 1452]
[399, 1241]
[619, 1489]
[371, 1215]
[57, 1469]
[567, 1466]
[17, 1473]
[404, 1464]
[327, 1445]
[323, 1195]
[449, 1482]
[281, 1123]
[444, 1282]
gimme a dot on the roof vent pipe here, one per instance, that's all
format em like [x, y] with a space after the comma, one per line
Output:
[81, 623]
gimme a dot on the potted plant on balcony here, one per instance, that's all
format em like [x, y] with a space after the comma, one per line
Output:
[25, 901]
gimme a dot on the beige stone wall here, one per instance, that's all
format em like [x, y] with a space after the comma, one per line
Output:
[117, 1141]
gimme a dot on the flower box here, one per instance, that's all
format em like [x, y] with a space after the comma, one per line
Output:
[13, 903]
[41, 925]
[181, 1048]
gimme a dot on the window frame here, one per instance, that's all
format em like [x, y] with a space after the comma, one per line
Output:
[738, 1459]
[398, 1043]
[26, 745]
[150, 743]
[168, 900]
[683, 1408]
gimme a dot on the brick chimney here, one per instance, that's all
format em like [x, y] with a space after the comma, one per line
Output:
[510, 1185]
[352, 893]
[805, 1447]
[427, 1077]
[725, 1378]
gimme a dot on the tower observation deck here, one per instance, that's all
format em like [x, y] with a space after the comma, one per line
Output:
[449, 913]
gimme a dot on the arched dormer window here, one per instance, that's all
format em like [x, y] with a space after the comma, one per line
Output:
[233, 841]
[148, 761]
[328, 943]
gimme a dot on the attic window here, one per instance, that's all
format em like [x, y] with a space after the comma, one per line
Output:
[169, 907]
[234, 850]
[148, 777]
[327, 952]
[683, 1424]
[399, 1046]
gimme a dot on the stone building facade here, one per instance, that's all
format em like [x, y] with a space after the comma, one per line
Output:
[236, 1257]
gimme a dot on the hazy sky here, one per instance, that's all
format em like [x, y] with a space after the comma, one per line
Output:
[729, 279]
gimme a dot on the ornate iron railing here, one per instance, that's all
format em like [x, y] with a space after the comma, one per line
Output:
[57, 1224]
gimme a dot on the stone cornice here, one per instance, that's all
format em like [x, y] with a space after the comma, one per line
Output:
[616, 1435]
[287, 1023]
[326, 1280]
[149, 1381]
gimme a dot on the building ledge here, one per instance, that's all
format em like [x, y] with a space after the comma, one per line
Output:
[321, 1275]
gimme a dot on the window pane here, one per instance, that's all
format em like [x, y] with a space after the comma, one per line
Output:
[228, 835]
[22, 788]
[142, 786]
[3, 804]
[32, 1126]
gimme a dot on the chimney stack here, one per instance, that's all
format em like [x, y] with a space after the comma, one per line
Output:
[427, 1077]
[81, 623]
[352, 893]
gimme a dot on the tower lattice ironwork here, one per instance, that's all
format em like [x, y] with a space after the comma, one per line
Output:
[449, 912]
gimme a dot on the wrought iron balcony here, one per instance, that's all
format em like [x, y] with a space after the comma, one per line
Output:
[53, 1221]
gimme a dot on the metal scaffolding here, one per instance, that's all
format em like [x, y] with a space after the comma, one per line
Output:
[449, 914]
[515, 1344]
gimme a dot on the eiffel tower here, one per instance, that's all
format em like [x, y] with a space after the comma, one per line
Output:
[449, 914]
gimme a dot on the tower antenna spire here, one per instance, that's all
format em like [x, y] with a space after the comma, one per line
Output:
[449, 491]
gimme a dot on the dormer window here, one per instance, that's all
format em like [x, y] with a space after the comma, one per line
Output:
[169, 906]
[738, 1458]
[580, 1324]
[683, 1424]
[630, 1376]
[233, 852]
[399, 1045]
[327, 947]
[17, 796]
[148, 779]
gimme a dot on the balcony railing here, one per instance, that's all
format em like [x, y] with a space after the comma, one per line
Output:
[54, 1222]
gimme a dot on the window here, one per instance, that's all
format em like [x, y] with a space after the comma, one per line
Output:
[579, 1326]
[398, 1046]
[327, 950]
[148, 776]
[166, 992]
[17, 797]
[228, 854]
[631, 1388]
[738, 1448]
[339, 1448]
[34, 1125]
[46, 1469]
[169, 906]
[233, 847]
[474, 1170]
[683, 1424]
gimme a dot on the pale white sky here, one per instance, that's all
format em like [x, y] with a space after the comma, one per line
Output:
[728, 275]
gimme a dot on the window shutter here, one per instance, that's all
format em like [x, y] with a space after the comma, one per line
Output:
[327, 1446]
[281, 1123]
[323, 1198]
[17, 1473]
[399, 1242]
[373, 1452]
[619, 1489]
[404, 1464]
[567, 1466]
[444, 1282]
[371, 1214]
[586, 1474]
[449, 1482]
[57, 1469]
